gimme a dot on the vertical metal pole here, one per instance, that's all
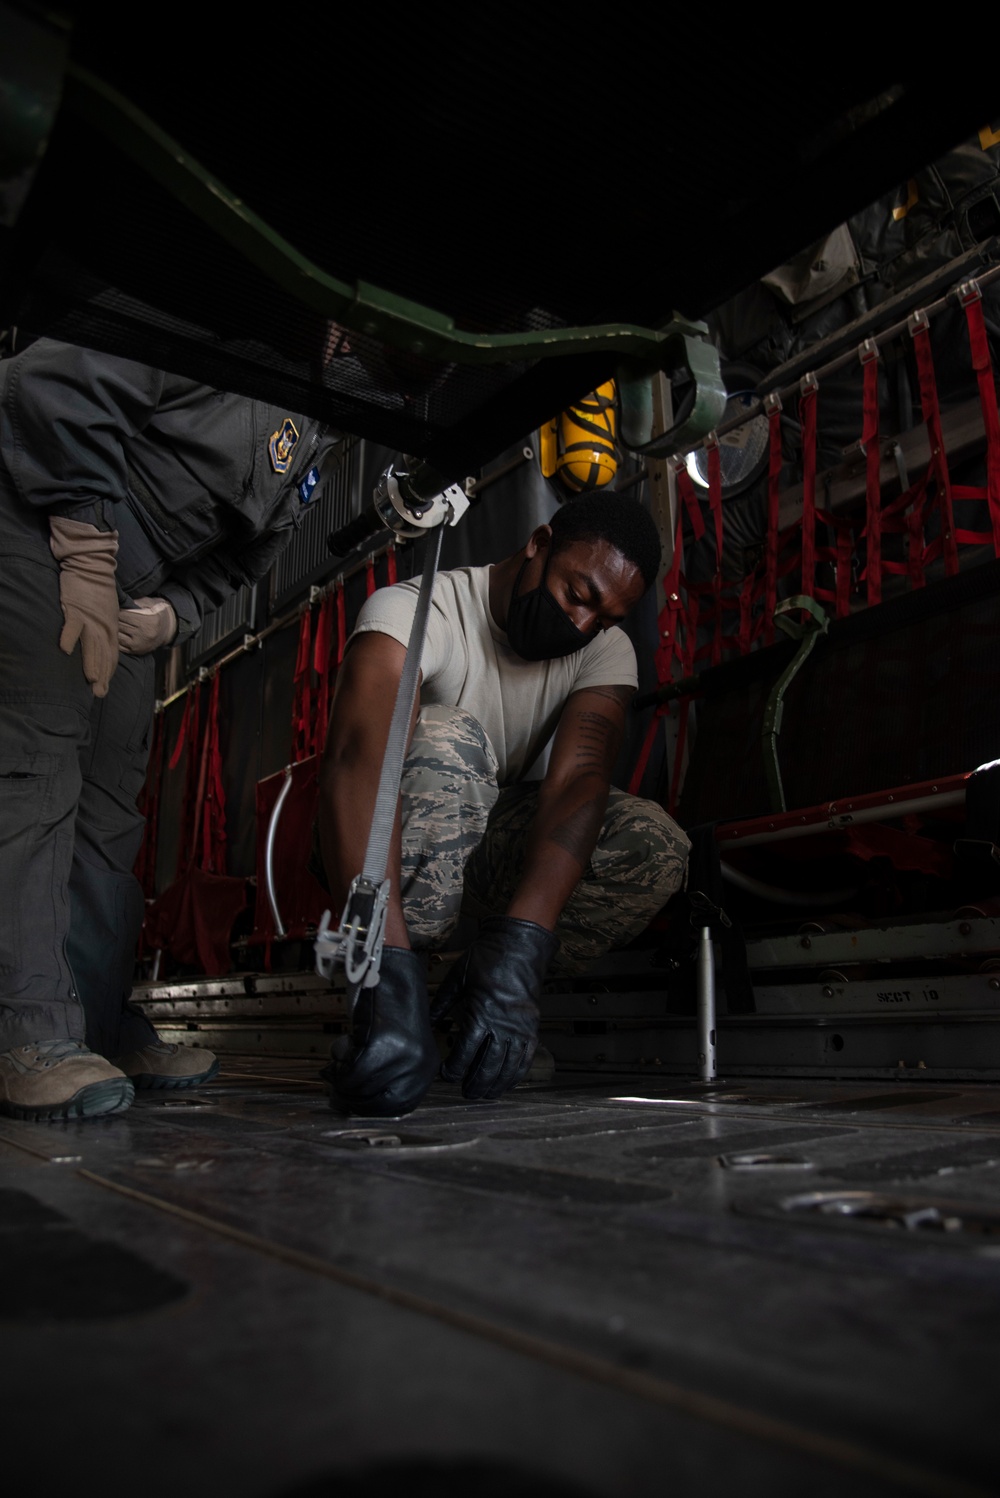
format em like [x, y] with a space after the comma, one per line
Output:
[706, 1005]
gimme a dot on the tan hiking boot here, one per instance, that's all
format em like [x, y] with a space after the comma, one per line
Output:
[60, 1079]
[160, 1064]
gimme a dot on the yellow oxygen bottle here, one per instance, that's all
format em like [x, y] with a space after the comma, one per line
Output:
[578, 447]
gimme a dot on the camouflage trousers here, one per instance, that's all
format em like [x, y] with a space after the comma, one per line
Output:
[464, 844]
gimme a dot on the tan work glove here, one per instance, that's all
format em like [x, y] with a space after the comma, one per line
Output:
[148, 624]
[88, 595]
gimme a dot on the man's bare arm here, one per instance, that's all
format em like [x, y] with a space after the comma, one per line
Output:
[572, 802]
[363, 703]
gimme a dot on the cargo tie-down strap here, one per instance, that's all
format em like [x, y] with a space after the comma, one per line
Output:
[909, 514]
[839, 555]
[357, 943]
[971, 299]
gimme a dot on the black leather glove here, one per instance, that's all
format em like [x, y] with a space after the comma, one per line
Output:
[495, 987]
[391, 1057]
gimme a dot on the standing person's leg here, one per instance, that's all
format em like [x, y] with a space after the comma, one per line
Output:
[639, 862]
[45, 703]
[107, 904]
[106, 899]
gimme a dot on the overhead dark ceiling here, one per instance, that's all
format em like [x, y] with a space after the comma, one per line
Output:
[518, 170]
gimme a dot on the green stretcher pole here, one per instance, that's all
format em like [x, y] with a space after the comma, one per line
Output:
[680, 346]
[807, 633]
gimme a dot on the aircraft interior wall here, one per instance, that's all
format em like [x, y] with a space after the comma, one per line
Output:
[738, 1228]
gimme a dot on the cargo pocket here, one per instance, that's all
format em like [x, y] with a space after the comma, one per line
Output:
[26, 850]
[120, 749]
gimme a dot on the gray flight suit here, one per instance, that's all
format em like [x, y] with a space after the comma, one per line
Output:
[203, 488]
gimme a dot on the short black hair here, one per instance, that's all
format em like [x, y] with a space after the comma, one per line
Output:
[622, 521]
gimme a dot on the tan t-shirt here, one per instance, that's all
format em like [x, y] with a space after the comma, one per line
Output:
[468, 663]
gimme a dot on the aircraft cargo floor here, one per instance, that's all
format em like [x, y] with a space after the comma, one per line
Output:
[589, 1287]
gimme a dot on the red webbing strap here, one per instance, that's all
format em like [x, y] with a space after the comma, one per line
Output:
[873, 485]
[839, 555]
[341, 624]
[148, 803]
[771, 550]
[685, 488]
[197, 820]
[183, 733]
[939, 460]
[635, 780]
[213, 823]
[675, 779]
[915, 544]
[390, 567]
[963, 535]
[369, 578]
[789, 542]
[688, 650]
[845, 550]
[322, 660]
[735, 598]
[189, 737]
[746, 607]
[302, 692]
[200, 761]
[894, 520]
[807, 416]
[715, 503]
[757, 613]
[983, 365]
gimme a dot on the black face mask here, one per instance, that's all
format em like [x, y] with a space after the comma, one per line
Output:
[537, 628]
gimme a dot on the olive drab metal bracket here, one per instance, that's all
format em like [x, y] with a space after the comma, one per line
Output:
[685, 347]
[681, 346]
[807, 632]
[357, 942]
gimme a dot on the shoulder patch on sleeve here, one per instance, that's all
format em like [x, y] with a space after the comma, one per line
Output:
[282, 445]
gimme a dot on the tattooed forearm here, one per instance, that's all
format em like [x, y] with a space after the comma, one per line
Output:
[598, 738]
[579, 832]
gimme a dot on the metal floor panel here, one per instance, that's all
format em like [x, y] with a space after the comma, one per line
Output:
[611, 1289]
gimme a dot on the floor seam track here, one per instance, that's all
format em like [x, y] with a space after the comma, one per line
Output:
[644, 1386]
